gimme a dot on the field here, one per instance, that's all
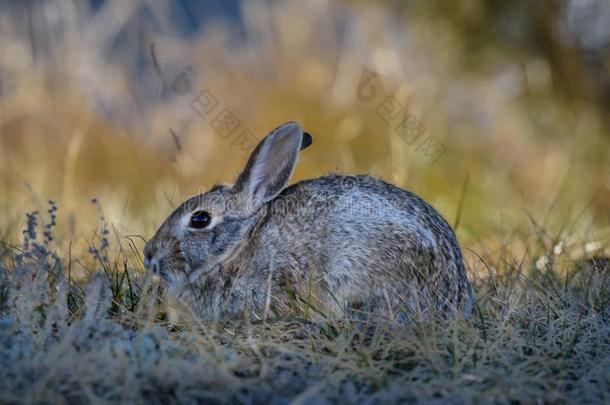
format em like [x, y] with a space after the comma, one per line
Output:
[109, 120]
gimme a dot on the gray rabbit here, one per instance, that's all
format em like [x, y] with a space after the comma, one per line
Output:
[351, 246]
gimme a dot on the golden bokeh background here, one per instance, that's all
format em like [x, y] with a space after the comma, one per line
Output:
[102, 102]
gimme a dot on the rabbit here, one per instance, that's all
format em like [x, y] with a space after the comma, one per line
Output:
[339, 245]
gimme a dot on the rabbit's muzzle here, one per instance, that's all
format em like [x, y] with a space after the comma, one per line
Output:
[165, 260]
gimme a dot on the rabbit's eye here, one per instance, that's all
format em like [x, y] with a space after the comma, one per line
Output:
[200, 219]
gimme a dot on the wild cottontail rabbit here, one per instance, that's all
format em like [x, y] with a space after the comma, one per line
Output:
[336, 244]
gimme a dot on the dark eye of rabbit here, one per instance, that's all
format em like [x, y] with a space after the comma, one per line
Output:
[200, 220]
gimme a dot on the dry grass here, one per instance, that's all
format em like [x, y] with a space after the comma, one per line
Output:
[536, 336]
[82, 118]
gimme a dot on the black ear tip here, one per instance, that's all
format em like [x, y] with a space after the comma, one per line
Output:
[307, 140]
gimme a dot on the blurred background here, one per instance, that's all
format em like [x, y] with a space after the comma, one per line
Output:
[496, 112]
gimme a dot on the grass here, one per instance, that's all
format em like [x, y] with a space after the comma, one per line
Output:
[524, 179]
[536, 336]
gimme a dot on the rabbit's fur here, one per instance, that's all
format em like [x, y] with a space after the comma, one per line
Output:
[342, 245]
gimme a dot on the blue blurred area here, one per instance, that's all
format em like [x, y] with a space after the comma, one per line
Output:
[192, 15]
[131, 47]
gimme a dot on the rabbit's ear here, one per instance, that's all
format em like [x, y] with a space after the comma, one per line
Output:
[271, 164]
[307, 140]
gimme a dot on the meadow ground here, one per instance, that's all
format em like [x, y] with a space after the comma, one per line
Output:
[114, 108]
[536, 336]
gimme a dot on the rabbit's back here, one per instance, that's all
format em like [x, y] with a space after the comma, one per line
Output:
[368, 243]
